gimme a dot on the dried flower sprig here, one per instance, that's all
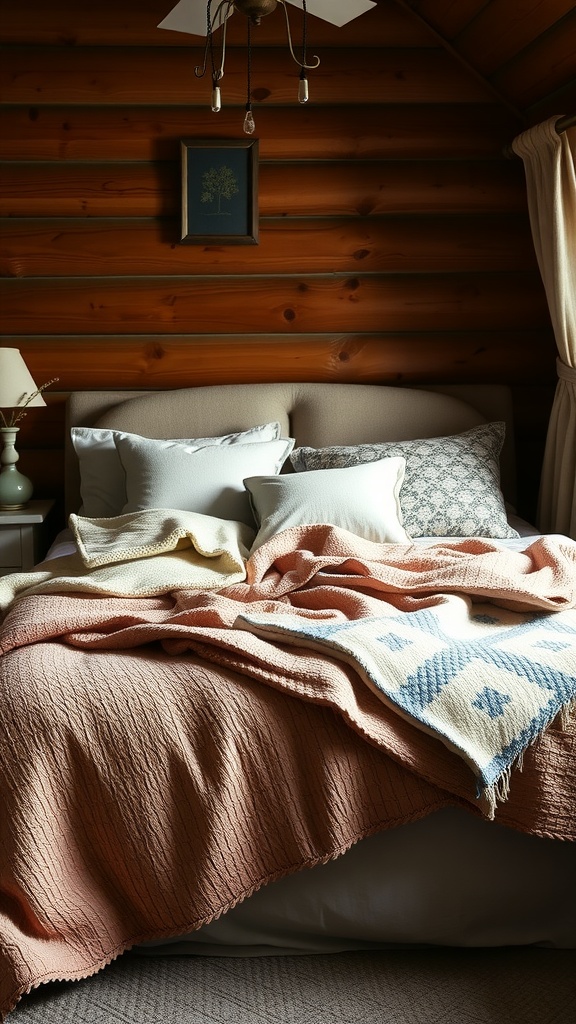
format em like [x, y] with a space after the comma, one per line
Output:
[20, 410]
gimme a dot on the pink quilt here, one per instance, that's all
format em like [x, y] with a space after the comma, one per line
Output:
[158, 765]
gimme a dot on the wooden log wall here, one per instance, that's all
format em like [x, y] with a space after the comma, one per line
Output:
[394, 240]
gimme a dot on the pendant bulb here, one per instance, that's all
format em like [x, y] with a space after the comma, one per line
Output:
[303, 89]
[249, 122]
[216, 99]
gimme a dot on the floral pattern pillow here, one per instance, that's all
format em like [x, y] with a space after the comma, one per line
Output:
[451, 486]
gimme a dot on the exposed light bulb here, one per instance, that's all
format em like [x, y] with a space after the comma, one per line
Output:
[249, 123]
[303, 90]
[216, 99]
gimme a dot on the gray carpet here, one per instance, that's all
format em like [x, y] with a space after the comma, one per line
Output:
[514, 986]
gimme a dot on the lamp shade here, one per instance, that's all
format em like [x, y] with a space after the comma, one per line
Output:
[16, 382]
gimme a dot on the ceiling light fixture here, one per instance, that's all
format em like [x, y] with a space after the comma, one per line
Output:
[254, 11]
[188, 16]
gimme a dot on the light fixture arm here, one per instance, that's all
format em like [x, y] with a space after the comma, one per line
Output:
[253, 10]
[301, 63]
[212, 25]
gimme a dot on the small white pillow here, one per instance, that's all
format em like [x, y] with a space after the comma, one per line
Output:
[102, 481]
[363, 499]
[209, 480]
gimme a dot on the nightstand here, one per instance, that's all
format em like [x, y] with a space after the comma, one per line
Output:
[22, 536]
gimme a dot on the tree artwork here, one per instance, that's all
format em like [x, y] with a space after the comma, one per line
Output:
[218, 185]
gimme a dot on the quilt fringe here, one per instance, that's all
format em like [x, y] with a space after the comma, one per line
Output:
[499, 791]
[565, 714]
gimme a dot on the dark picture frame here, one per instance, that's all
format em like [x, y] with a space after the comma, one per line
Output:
[219, 191]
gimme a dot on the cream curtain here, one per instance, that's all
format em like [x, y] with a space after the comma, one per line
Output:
[549, 163]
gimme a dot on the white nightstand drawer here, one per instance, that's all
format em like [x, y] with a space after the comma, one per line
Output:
[10, 548]
[23, 541]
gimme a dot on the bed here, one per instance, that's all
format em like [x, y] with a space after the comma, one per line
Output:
[295, 679]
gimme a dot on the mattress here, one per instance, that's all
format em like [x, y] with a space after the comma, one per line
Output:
[448, 880]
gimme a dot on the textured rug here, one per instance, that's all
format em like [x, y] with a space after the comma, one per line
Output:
[447, 986]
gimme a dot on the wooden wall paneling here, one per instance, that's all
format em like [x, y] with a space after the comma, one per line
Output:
[398, 186]
[449, 17]
[147, 75]
[296, 189]
[42, 427]
[558, 103]
[390, 131]
[525, 52]
[89, 247]
[235, 304]
[503, 28]
[543, 67]
[157, 361]
[394, 237]
[134, 23]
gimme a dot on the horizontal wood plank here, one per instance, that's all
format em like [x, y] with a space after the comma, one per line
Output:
[82, 248]
[134, 23]
[449, 17]
[122, 132]
[503, 28]
[394, 240]
[561, 102]
[285, 190]
[156, 362]
[410, 302]
[148, 75]
[543, 67]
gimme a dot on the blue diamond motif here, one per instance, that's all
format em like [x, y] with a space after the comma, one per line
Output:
[491, 701]
[395, 642]
[552, 645]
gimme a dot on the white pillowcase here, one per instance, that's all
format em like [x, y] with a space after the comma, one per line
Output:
[102, 479]
[210, 480]
[363, 499]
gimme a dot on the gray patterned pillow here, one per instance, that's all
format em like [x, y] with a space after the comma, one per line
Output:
[452, 484]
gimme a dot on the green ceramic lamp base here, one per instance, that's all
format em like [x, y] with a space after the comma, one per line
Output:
[15, 488]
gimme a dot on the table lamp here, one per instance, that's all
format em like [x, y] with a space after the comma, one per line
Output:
[18, 393]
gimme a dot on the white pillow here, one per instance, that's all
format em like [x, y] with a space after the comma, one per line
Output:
[210, 480]
[363, 499]
[102, 481]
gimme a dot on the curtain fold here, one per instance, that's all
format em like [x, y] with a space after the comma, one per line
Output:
[549, 161]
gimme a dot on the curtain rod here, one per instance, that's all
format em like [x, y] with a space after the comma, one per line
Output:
[567, 121]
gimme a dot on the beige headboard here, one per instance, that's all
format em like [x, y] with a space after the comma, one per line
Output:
[315, 414]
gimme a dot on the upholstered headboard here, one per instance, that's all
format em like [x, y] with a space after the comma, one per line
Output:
[315, 414]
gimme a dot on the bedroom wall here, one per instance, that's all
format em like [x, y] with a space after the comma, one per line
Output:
[394, 240]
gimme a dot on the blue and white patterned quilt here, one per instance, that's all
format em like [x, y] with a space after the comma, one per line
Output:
[483, 679]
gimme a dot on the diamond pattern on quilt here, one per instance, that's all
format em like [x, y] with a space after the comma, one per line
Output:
[485, 683]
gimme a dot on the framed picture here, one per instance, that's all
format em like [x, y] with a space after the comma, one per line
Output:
[219, 191]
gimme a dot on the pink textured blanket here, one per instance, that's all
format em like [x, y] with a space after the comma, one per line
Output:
[158, 765]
